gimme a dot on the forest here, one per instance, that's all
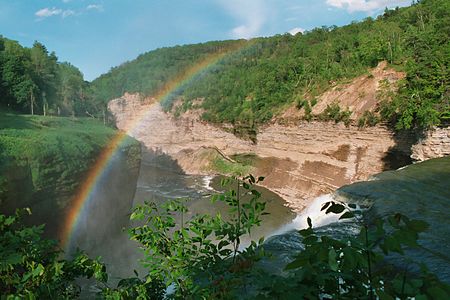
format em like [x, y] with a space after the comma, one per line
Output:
[254, 79]
[33, 81]
[250, 85]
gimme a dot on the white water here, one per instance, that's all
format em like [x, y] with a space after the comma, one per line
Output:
[318, 217]
[207, 182]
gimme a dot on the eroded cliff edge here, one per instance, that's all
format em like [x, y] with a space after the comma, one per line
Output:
[299, 159]
[299, 162]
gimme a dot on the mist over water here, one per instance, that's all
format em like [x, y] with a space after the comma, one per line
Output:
[102, 230]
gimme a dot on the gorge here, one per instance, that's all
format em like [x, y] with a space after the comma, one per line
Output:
[301, 160]
[345, 129]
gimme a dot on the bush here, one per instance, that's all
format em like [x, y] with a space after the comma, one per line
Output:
[333, 113]
[201, 256]
[356, 267]
[368, 119]
[31, 268]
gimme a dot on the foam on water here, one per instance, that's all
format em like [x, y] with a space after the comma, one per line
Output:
[313, 211]
[207, 182]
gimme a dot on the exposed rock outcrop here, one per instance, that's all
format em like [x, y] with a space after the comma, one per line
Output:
[362, 93]
[435, 143]
[299, 159]
[299, 162]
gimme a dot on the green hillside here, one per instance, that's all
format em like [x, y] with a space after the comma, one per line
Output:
[247, 87]
[47, 157]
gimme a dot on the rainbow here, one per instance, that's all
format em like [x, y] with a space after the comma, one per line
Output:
[84, 193]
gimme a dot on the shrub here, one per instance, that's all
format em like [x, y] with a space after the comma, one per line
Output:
[31, 267]
[201, 256]
[368, 119]
[333, 112]
[355, 267]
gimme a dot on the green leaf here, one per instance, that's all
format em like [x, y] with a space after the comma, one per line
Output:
[308, 220]
[137, 216]
[306, 232]
[13, 259]
[347, 215]
[297, 263]
[417, 225]
[335, 208]
[251, 178]
[332, 262]
[349, 258]
[256, 193]
[10, 220]
[325, 205]
[310, 240]
[438, 293]
[384, 296]
[38, 271]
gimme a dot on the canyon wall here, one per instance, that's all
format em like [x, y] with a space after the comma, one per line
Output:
[114, 191]
[299, 161]
[434, 143]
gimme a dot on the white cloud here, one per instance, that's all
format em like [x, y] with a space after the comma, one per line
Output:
[48, 12]
[366, 5]
[252, 14]
[98, 7]
[296, 30]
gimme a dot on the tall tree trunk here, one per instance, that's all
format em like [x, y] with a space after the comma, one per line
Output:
[44, 103]
[32, 102]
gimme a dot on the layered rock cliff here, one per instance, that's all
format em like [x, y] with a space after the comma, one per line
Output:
[299, 159]
[299, 162]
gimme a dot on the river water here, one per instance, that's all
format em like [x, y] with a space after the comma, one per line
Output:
[420, 191]
[159, 180]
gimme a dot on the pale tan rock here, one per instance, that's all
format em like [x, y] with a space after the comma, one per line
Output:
[299, 162]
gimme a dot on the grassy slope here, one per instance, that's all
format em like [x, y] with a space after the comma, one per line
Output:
[54, 151]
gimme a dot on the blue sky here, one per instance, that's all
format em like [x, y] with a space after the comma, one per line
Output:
[95, 35]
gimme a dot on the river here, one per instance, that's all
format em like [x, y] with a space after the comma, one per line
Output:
[419, 191]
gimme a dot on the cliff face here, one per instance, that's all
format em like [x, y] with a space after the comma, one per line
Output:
[435, 143]
[299, 161]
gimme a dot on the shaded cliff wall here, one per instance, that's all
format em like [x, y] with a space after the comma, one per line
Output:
[46, 182]
[108, 206]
